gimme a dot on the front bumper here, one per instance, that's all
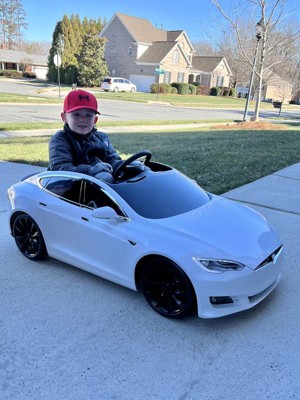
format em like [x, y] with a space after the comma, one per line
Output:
[233, 291]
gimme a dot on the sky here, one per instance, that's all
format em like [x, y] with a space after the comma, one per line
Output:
[190, 15]
[187, 15]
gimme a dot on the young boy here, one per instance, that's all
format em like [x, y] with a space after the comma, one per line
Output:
[79, 147]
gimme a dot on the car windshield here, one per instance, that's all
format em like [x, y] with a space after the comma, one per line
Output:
[162, 194]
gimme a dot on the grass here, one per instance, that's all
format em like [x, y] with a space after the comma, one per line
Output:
[218, 160]
[50, 96]
[19, 126]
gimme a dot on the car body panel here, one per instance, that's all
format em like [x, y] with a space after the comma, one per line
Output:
[112, 247]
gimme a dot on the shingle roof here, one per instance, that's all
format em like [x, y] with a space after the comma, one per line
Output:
[144, 32]
[15, 56]
[157, 52]
[206, 64]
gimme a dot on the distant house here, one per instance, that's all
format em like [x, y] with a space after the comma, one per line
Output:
[210, 71]
[135, 49]
[274, 88]
[22, 61]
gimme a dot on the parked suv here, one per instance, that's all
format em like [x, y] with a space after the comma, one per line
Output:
[117, 85]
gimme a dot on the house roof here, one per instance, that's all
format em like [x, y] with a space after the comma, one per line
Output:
[16, 56]
[272, 79]
[143, 31]
[206, 63]
[157, 52]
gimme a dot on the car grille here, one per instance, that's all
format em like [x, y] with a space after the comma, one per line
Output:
[269, 259]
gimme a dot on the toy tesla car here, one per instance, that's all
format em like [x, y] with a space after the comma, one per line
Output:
[153, 230]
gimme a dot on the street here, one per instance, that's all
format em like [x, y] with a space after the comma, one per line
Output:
[114, 111]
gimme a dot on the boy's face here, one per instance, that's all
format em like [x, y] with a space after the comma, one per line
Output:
[81, 121]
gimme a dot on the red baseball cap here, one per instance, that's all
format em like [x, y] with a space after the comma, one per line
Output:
[78, 98]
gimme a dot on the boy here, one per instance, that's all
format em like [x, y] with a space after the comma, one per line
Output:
[79, 147]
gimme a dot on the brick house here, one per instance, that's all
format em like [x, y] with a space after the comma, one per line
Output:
[210, 71]
[22, 61]
[135, 48]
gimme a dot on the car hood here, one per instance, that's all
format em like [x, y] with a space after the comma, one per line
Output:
[222, 229]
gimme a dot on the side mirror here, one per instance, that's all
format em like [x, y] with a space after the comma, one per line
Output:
[108, 213]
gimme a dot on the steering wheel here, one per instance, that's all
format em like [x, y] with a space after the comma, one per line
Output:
[119, 172]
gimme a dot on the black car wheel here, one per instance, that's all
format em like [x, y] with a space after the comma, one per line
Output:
[167, 288]
[29, 238]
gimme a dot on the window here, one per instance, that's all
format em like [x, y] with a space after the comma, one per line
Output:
[175, 58]
[94, 197]
[220, 80]
[167, 77]
[67, 188]
[180, 77]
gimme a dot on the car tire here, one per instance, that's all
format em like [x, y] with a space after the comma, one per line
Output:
[116, 89]
[29, 238]
[167, 288]
[132, 90]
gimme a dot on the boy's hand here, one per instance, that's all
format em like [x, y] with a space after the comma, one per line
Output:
[101, 167]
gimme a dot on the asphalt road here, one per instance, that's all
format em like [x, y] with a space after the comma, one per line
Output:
[115, 110]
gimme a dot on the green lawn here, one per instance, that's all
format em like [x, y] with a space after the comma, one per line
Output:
[218, 160]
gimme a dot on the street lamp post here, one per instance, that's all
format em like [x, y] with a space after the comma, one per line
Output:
[258, 37]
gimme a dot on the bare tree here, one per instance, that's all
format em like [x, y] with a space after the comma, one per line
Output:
[276, 37]
[12, 20]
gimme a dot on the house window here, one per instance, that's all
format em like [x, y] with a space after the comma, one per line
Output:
[220, 80]
[175, 58]
[167, 77]
[180, 77]
[130, 51]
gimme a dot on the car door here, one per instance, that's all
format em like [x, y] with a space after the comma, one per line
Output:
[97, 245]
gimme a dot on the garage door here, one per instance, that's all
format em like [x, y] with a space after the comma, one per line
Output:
[142, 82]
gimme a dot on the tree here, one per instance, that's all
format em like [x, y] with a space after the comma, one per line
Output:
[276, 36]
[91, 64]
[12, 20]
[71, 40]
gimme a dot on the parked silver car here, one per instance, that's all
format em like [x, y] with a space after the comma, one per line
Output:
[117, 85]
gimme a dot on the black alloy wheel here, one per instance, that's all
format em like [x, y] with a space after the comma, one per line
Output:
[167, 288]
[29, 238]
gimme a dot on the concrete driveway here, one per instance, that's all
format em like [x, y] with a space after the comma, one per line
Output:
[66, 334]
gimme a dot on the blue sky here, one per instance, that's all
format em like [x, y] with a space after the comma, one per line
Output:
[171, 14]
[189, 15]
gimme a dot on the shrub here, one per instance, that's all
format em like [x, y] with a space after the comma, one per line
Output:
[225, 91]
[204, 90]
[192, 88]
[10, 73]
[232, 92]
[164, 88]
[182, 88]
[26, 74]
[215, 91]
[174, 90]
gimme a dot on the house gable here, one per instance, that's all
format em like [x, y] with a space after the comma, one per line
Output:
[135, 47]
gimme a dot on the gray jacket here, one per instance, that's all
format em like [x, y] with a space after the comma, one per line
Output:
[87, 154]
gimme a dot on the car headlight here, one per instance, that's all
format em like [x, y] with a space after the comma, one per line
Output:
[218, 266]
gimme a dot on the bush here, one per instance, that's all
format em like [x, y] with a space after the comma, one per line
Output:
[232, 92]
[174, 90]
[192, 88]
[164, 88]
[225, 91]
[10, 73]
[29, 75]
[204, 90]
[215, 91]
[182, 88]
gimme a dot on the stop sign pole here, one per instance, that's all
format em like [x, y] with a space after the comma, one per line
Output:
[57, 62]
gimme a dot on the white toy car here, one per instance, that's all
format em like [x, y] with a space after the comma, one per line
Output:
[154, 230]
